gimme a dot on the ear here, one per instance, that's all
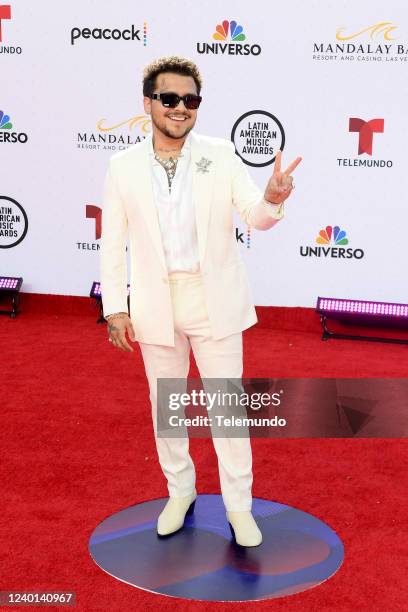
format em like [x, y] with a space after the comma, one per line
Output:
[147, 103]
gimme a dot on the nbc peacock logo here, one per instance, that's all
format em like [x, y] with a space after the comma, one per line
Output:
[332, 241]
[332, 235]
[235, 31]
[229, 36]
[6, 131]
[5, 123]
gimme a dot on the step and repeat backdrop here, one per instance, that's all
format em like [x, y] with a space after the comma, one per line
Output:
[324, 80]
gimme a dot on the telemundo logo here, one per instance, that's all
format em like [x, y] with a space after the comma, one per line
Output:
[5, 17]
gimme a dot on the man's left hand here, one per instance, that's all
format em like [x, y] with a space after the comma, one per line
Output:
[280, 184]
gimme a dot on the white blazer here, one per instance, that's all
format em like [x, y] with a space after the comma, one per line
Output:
[129, 208]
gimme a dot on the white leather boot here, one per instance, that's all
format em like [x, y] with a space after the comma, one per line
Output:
[244, 528]
[174, 512]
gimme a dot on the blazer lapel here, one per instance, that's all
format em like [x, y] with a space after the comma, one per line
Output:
[145, 196]
[203, 184]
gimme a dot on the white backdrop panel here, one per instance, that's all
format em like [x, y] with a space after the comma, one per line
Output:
[57, 93]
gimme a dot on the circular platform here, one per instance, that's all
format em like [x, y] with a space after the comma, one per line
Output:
[202, 562]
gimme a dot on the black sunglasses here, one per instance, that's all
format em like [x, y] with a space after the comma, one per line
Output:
[171, 100]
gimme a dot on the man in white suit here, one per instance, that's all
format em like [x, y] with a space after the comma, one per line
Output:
[174, 194]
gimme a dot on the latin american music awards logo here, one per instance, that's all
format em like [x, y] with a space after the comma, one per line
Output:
[13, 222]
[229, 36]
[332, 241]
[258, 136]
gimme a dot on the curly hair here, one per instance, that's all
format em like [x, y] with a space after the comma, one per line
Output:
[172, 63]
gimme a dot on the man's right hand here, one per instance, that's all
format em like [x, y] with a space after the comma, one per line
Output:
[118, 325]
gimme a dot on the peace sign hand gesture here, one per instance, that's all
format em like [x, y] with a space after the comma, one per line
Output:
[280, 184]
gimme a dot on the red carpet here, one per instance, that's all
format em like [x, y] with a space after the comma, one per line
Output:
[77, 445]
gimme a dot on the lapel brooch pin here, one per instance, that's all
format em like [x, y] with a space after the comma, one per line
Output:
[202, 165]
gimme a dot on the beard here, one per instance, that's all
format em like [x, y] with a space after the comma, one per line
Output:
[176, 133]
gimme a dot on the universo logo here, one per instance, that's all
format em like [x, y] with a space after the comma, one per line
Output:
[333, 241]
[229, 36]
[6, 134]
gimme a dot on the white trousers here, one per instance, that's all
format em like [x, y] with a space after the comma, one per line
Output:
[215, 359]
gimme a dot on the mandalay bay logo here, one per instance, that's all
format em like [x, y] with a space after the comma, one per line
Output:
[374, 43]
[115, 136]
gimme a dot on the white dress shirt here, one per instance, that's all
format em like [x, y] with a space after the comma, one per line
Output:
[176, 213]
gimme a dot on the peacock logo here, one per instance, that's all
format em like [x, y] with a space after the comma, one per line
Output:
[235, 31]
[332, 235]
